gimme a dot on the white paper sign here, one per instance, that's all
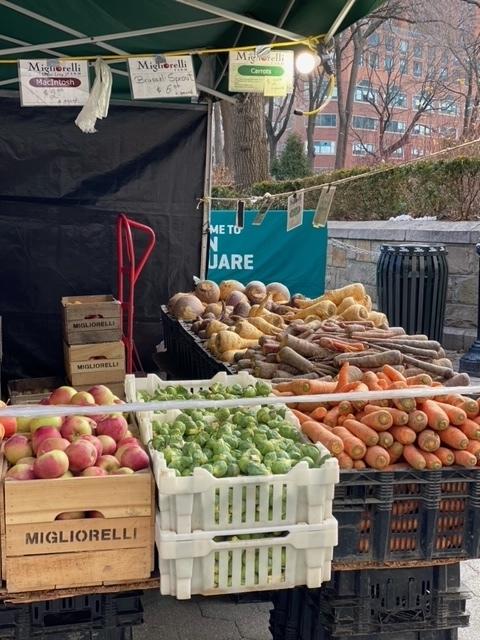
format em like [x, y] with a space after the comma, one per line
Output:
[153, 78]
[52, 83]
[295, 210]
[270, 73]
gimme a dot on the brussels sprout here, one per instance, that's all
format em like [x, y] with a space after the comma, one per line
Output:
[208, 467]
[158, 442]
[281, 466]
[311, 451]
[169, 454]
[184, 462]
[249, 392]
[220, 468]
[236, 389]
[266, 447]
[287, 431]
[187, 471]
[222, 415]
[262, 389]
[263, 415]
[257, 469]
[233, 470]
[308, 460]
[176, 441]
[270, 457]
[199, 458]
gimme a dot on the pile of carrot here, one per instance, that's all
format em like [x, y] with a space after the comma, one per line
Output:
[423, 433]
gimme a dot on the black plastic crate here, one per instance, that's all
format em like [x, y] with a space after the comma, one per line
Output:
[407, 515]
[187, 357]
[91, 617]
[355, 603]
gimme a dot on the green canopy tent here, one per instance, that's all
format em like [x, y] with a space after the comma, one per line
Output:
[56, 28]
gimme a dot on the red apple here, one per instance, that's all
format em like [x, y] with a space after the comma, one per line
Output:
[94, 471]
[114, 426]
[52, 444]
[135, 458]
[20, 472]
[52, 464]
[83, 398]
[102, 394]
[109, 446]
[124, 447]
[122, 471]
[81, 454]
[71, 515]
[67, 474]
[62, 395]
[109, 463]
[96, 443]
[76, 426]
[9, 425]
[27, 460]
[42, 433]
[47, 421]
[17, 447]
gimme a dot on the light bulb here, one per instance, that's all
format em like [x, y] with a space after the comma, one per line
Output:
[306, 61]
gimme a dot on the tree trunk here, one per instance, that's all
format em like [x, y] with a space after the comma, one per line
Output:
[345, 103]
[218, 158]
[310, 141]
[250, 152]
[272, 146]
[227, 124]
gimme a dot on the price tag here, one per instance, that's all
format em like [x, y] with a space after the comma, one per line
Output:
[240, 218]
[295, 210]
[324, 205]
[52, 83]
[150, 77]
[259, 71]
[265, 205]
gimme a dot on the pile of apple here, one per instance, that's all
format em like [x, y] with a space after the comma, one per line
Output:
[56, 447]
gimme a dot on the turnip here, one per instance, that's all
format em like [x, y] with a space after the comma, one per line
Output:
[228, 286]
[207, 291]
[174, 299]
[279, 292]
[235, 297]
[242, 308]
[256, 291]
[216, 308]
[188, 308]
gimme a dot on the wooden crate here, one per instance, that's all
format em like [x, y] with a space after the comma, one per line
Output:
[89, 364]
[40, 552]
[32, 390]
[94, 319]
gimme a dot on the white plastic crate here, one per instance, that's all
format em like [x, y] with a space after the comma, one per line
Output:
[203, 502]
[203, 564]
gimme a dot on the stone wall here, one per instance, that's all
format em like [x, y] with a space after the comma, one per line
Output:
[354, 249]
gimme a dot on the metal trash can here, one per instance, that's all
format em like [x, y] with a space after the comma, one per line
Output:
[412, 287]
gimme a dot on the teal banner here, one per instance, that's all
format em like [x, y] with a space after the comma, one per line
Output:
[267, 252]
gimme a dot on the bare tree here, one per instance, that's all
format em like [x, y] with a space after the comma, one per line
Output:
[277, 116]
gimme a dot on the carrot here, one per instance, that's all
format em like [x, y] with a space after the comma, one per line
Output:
[456, 415]
[404, 435]
[380, 420]
[302, 417]
[433, 462]
[319, 433]
[355, 448]
[385, 439]
[414, 457]
[405, 404]
[331, 417]
[307, 387]
[319, 413]
[454, 438]
[417, 420]
[344, 406]
[344, 461]
[308, 407]
[395, 451]
[371, 380]
[366, 434]
[471, 429]
[437, 418]
[359, 464]
[469, 405]
[398, 384]
[428, 440]
[393, 374]
[445, 456]
[420, 378]
[377, 457]
[474, 447]
[343, 377]
[465, 458]
[399, 418]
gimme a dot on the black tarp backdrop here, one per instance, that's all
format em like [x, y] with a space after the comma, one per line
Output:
[60, 194]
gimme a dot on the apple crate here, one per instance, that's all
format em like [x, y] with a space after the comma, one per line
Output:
[224, 562]
[88, 319]
[203, 502]
[42, 552]
[90, 364]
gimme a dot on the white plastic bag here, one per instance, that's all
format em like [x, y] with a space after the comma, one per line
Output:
[98, 100]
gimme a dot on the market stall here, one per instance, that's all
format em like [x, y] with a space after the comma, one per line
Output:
[330, 447]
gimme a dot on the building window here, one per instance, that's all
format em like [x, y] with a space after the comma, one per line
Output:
[374, 61]
[403, 66]
[324, 147]
[395, 126]
[447, 132]
[423, 103]
[374, 40]
[364, 92]
[417, 69]
[443, 75]
[416, 152]
[323, 89]
[399, 99]
[403, 46]
[362, 148]
[389, 43]
[417, 51]
[449, 107]
[388, 63]
[362, 122]
[421, 130]
[398, 153]
[326, 120]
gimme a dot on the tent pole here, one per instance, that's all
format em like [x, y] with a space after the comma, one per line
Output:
[238, 17]
[207, 192]
[338, 20]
